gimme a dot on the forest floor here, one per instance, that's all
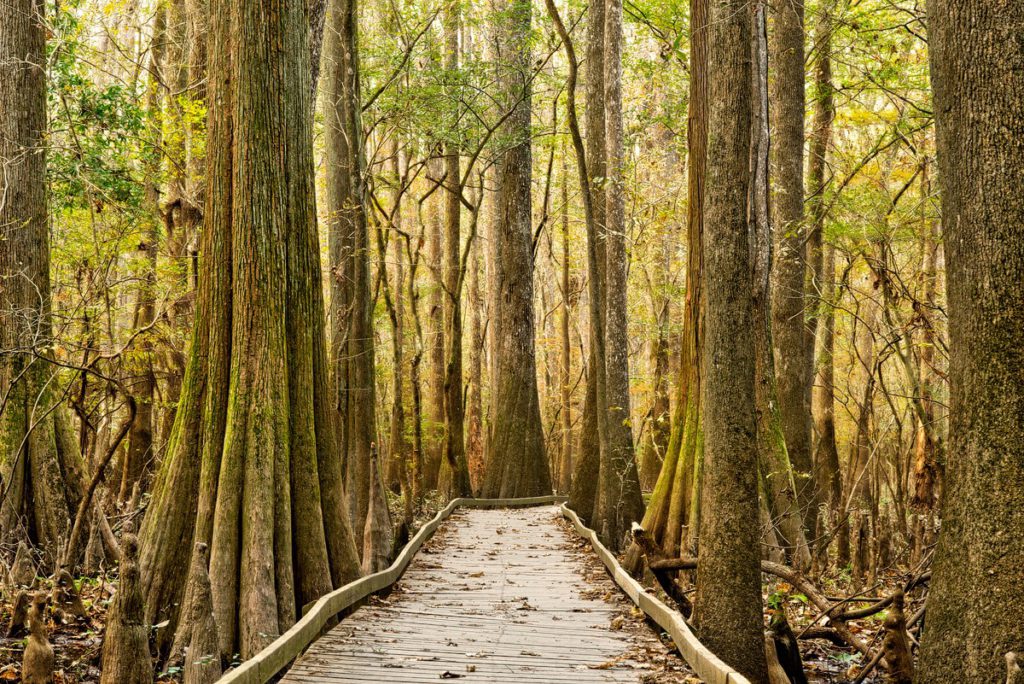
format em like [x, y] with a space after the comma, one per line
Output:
[77, 641]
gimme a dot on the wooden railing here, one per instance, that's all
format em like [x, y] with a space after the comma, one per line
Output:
[278, 654]
[269, 662]
[706, 664]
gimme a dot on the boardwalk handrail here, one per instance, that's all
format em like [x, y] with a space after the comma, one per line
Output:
[706, 664]
[263, 666]
[270, 661]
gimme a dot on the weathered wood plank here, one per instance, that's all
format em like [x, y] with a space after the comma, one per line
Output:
[498, 595]
[708, 666]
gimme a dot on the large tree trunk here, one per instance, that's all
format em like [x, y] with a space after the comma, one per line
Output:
[254, 398]
[36, 501]
[727, 612]
[975, 604]
[351, 299]
[619, 501]
[517, 464]
[793, 345]
[827, 475]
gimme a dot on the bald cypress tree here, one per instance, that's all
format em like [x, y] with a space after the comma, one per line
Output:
[351, 304]
[518, 465]
[253, 448]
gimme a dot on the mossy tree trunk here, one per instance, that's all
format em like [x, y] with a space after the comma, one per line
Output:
[822, 259]
[776, 472]
[39, 463]
[351, 300]
[975, 604]
[792, 342]
[253, 464]
[672, 516]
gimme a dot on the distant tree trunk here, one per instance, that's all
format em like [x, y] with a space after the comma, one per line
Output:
[351, 300]
[456, 470]
[434, 436]
[619, 500]
[139, 455]
[474, 397]
[517, 464]
[858, 496]
[727, 612]
[826, 454]
[927, 441]
[775, 469]
[583, 496]
[793, 344]
[660, 431]
[394, 295]
[974, 607]
[254, 439]
[827, 474]
[565, 349]
[36, 501]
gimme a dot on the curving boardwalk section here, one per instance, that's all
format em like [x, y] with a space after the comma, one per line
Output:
[498, 595]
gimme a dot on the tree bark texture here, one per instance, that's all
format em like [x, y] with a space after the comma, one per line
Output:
[39, 491]
[774, 466]
[727, 611]
[672, 516]
[455, 466]
[620, 502]
[583, 496]
[517, 464]
[792, 342]
[974, 606]
[253, 448]
[351, 299]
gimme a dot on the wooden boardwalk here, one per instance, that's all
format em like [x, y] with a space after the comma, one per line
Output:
[496, 596]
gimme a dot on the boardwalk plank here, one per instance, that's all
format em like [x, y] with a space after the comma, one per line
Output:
[497, 596]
